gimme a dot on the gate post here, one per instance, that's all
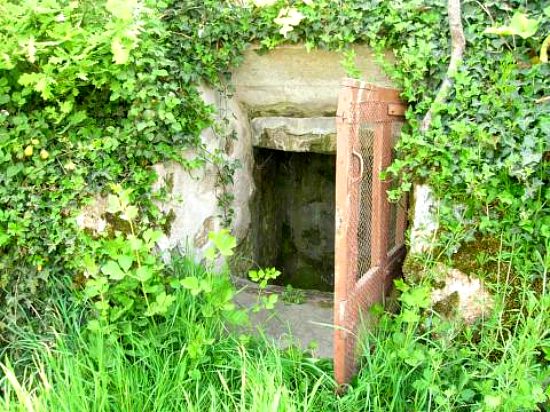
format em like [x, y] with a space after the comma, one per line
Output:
[344, 147]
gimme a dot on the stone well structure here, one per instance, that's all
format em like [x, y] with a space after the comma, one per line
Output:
[282, 113]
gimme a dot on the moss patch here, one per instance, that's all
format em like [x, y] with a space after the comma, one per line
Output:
[169, 219]
[448, 306]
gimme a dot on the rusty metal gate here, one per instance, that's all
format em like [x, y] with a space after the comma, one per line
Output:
[369, 246]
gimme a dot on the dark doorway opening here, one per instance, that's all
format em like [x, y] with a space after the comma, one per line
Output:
[293, 216]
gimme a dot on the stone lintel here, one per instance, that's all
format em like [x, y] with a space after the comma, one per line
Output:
[309, 134]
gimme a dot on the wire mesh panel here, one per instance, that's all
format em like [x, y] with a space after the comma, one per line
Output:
[369, 229]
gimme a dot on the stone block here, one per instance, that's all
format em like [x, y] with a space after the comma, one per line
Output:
[312, 134]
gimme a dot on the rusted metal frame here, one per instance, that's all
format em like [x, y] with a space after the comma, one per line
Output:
[395, 261]
[342, 264]
[359, 299]
[396, 109]
[384, 94]
[380, 206]
[352, 297]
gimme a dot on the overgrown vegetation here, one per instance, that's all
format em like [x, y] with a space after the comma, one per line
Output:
[93, 93]
[191, 360]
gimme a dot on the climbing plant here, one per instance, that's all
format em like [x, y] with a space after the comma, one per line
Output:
[89, 96]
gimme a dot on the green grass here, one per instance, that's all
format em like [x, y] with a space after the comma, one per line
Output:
[190, 362]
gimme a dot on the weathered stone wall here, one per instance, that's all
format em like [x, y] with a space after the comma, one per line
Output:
[285, 99]
[290, 82]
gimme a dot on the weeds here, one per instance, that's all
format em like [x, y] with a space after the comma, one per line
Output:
[192, 360]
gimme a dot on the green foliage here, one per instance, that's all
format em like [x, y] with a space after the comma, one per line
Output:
[129, 284]
[292, 295]
[93, 93]
[89, 96]
[193, 360]
[520, 25]
[187, 361]
[262, 278]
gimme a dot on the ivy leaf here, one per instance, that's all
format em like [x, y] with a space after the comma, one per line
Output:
[112, 269]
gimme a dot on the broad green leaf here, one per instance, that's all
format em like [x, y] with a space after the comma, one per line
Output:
[161, 304]
[544, 49]
[409, 316]
[112, 269]
[125, 262]
[417, 297]
[94, 326]
[135, 242]
[520, 25]
[191, 283]
[152, 236]
[96, 287]
[101, 305]
[130, 213]
[210, 253]
[493, 401]
[113, 204]
[224, 242]
[205, 286]
[144, 273]
[524, 26]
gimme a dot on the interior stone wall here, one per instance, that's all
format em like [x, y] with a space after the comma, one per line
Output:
[293, 216]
